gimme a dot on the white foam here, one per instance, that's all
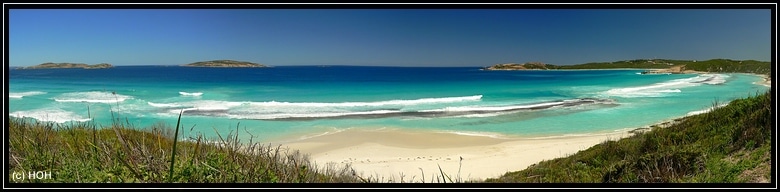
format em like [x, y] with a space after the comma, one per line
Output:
[275, 104]
[276, 110]
[207, 108]
[663, 88]
[162, 104]
[477, 134]
[308, 115]
[23, 94]
[480, 115]
[51, 115]
[706, 110]
[92, 97]
[493, 108]
[512, 107]
[374, 104]
[334, 131]
[190, 94]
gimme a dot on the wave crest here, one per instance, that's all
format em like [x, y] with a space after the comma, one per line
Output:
[190, 94]
[50, 115]
[381, 109]
[92, 97]
[673, 86]
[19, 95]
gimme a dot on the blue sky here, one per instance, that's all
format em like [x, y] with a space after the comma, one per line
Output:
[386, 37]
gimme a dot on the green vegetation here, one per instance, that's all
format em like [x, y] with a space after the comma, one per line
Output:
[635, 64]
[69, 65]
[713, 65]
[731, 144]
[729, 66]
[223, 63]
[83, 153]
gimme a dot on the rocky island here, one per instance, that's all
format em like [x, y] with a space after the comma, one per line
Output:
[51, 65]
[518, 66]
[224, 63]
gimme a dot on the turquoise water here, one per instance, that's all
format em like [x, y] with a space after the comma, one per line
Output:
[269, 104]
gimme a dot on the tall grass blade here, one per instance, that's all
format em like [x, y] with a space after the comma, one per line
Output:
[173, 153]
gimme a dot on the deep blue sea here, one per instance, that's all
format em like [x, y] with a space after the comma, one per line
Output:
[294, 102]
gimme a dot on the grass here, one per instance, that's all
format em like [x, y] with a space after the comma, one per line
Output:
[731, 144]
[81, 153]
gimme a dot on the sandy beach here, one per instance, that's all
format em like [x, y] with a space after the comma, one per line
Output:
[767, 81]
[394, 155]
[403, 156]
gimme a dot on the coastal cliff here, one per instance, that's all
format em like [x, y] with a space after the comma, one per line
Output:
[224, 63]
[51, 65]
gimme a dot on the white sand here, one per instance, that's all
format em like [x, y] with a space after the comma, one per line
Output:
[766, 82]
[389, 154]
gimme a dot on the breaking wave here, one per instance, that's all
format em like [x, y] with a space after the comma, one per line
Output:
[19, 95]
[51, 115]
[429, 108]
[190, 94]
[92, 97]
[664, 88]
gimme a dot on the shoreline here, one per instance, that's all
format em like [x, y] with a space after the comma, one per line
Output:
[407, 156]
[394, 155]
[767, 81]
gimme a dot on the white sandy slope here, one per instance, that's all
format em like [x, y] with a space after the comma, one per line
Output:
[391, 155]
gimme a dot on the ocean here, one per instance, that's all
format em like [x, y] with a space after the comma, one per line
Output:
[287, 103]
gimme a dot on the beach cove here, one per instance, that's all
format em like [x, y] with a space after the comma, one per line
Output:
[384, 121]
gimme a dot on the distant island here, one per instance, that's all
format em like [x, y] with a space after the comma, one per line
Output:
[653, 66]
[224, 63]
[519, 66]
[51, 65]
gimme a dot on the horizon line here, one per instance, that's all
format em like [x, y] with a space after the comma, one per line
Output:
[358, 65]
